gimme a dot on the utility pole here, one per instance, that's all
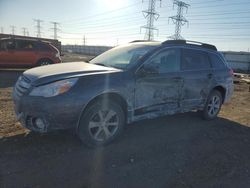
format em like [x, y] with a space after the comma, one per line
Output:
[151, 15]
[13, 28]
[24, 29]
[2, 31]
[38, 27]
[179, 20]
[55, 29]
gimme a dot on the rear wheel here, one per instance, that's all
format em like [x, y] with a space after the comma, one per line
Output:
[101, 123]
[213, 105]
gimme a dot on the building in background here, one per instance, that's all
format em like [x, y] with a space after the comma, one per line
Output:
[238, 60]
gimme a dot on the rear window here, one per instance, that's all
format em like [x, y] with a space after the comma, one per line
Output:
[195, 60]
[216, 61]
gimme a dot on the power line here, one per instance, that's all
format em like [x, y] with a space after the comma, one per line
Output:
[38, 27]
[227, 4]
[96, 25]
[179, 20]
[220, 13]
[103, 13]
[55, 29]
[151, 16]
[116, 19]
[221, 18]
[13, 29]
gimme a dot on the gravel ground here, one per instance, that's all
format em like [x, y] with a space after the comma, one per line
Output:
[175, 151]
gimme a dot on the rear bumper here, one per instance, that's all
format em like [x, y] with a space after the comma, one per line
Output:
[229, 93]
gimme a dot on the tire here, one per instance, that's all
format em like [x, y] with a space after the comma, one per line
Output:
[43, 62]
[213, 105]
[101, 123]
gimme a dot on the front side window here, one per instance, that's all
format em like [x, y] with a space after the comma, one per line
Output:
[9, 44]
[3, 45]
[166, 61]
[122, 57]
[195, 60]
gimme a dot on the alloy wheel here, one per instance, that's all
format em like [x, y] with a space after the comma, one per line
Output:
[213, 106]
[103, 125]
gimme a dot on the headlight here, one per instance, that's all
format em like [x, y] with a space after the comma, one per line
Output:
[53, 89]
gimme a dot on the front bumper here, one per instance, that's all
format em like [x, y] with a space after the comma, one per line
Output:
[45, 114]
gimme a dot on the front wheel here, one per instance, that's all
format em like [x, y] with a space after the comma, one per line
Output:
[101, 123]
[213, 105]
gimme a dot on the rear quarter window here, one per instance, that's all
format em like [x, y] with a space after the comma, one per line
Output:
[195, 60]
[216, 61]
[44, 47]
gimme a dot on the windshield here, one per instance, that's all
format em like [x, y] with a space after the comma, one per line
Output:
[123, 56]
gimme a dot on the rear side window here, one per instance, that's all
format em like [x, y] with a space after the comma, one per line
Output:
[194, 60]
[216, 61]
[43, 47]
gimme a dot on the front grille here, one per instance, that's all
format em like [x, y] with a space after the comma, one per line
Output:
[22, 86]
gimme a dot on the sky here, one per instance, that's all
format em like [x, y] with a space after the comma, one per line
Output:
[223, 23]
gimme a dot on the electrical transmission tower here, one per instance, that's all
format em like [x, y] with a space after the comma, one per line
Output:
[84, 40]
[179, 20]
[55, 29]
[13, 29]
[38, 27]
[2, 31]
[151, 15]
[25, 31]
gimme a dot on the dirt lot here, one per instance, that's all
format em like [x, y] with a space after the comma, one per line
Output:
[176, 151]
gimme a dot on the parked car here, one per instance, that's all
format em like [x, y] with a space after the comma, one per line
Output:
[18, 52]
[128, 83]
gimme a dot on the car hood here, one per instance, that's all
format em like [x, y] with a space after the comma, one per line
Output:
[49, 73]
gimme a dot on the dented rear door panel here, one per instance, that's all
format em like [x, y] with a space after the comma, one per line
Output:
[196, 87]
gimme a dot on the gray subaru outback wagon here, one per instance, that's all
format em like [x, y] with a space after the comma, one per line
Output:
[128, 83]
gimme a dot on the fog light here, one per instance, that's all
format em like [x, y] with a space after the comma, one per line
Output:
[39, 123]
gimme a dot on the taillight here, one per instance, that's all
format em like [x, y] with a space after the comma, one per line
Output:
[231, 72]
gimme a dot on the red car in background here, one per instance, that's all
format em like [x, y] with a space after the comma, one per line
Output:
[18, 52]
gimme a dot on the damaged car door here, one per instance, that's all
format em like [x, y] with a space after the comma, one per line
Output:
[158, 84]
[198, 76]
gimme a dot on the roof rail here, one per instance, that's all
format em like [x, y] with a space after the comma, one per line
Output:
[139, 41]
[204, 45]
